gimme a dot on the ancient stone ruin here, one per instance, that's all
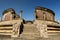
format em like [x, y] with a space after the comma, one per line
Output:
[15, 26]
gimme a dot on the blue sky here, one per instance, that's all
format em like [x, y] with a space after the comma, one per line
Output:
[28, 7]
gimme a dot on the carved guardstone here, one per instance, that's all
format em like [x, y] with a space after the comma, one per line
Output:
[42, 28]
[16, 29]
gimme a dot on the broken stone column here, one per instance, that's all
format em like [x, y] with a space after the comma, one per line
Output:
[21, 14]
[35, 15]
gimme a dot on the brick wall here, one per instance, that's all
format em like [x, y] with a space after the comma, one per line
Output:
[48, 16]
[7, 16]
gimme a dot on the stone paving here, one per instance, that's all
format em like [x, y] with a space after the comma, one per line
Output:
[55, 37]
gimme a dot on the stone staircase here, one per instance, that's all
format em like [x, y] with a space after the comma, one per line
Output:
[6, 29]
[52, 32]
[29, 31]
[10, 28]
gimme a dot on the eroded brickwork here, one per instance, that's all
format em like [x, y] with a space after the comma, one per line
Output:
[40, 12]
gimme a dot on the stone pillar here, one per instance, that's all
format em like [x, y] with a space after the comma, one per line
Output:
[44, 16]
[34, 15]
[21, 14]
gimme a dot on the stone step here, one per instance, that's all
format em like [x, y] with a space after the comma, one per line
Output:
[4, 31]
[9, 33]
[6, 28]
[53, 38]
[29, 28]
[54, 31]
[29, 35]
[52, 28]
[29, 31]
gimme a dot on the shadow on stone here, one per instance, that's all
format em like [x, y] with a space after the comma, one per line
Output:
[21, 28]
